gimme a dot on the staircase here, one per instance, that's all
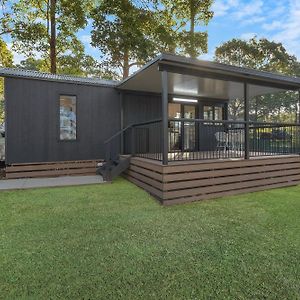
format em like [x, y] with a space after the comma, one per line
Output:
[115, 163]
[111, 169]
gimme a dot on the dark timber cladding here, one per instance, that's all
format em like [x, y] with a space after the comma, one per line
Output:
[32, 120]
[191, 181]
[51, 169]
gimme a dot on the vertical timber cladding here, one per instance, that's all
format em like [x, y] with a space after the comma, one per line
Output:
[32, 115]
[140, 107]
[195, 180]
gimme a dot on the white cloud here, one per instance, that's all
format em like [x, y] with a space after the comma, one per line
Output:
[221, 7]
[253, 8]
[19, 57]
[253, 20]
[247, 13]
[248, 35]
[272, 26]
[289, 34]
[85, 39]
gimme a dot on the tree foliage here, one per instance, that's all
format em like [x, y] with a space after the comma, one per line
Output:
[187, 17]
[6, 60]
[129, 33]
[265, 55]
[48, 28]
[123, 33]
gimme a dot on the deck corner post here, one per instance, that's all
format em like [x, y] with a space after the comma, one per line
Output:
[246, 119]
[132, 141]
[298, 108]
[165, 93]
[122, 123]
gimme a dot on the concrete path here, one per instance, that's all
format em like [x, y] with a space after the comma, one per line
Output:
[29, 183]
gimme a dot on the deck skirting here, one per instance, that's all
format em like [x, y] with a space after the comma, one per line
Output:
[51, 169]
[198, 180]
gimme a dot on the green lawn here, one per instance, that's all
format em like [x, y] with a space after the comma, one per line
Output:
[114, 241]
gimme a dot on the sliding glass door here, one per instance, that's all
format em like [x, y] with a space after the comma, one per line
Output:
[182, 135]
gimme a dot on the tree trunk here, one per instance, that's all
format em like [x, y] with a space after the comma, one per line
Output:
[192, 30]
[126, 64]
[52, 37]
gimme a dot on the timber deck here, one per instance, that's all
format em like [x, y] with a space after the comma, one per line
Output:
[187, 181]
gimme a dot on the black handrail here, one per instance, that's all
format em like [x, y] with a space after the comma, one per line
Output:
[144, 139]
[108, 142]
[232, 122]
[117, 134]
[147, 122]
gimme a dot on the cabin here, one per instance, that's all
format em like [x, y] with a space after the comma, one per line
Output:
[166, 128]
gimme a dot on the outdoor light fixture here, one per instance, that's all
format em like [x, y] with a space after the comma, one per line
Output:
[176, 99]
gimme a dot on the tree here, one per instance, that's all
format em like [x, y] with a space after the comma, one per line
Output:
[188, 16]
[123, 33]
[31, 63]
[48, 27]
[263, 55]
[6, 60]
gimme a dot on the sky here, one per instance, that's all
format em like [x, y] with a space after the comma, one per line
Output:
[277, 20]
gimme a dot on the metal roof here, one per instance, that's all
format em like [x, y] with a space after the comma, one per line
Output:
[241, 73]
[149, 74]
[29, 74]
[193, 77]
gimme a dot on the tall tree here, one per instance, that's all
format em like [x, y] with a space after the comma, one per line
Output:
[260, 54]
[48, 27]
[188, 17]
[265, 55]
[122, 31]
[6, 60]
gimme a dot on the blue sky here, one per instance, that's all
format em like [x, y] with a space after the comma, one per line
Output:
[276, 20]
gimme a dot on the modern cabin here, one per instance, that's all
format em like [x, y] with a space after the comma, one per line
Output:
[167, 127]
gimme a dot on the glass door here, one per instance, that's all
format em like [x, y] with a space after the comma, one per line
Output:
[207, 130]
[182, 134]
[189, 130]
[175, 127]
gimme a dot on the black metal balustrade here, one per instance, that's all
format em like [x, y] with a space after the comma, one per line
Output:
[274, 139]
[145, 140]
[194, 139]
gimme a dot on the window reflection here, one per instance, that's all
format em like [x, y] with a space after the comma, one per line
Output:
[67, 115]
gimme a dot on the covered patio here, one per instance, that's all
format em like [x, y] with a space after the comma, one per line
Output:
[186, 146]
[195, 123]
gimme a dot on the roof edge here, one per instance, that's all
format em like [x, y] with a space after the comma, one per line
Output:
[31, 74]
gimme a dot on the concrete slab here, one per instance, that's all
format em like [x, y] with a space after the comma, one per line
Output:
[29, 183]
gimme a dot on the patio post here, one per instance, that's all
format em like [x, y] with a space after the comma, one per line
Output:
[298, 108]
[122, 124]
[246, 119]
[165, 142]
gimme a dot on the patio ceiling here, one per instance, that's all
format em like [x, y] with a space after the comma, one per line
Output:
[197, 78]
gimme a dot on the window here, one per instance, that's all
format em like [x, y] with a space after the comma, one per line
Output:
[213, 113]
[218, 113]
[208, 113]
[67, 117]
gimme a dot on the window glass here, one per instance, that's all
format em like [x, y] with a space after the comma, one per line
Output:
[218, 113]
[208, 113]
[189, 112]
[175, 110]
[67, 116]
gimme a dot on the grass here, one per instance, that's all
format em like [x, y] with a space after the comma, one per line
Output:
[115, 242]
